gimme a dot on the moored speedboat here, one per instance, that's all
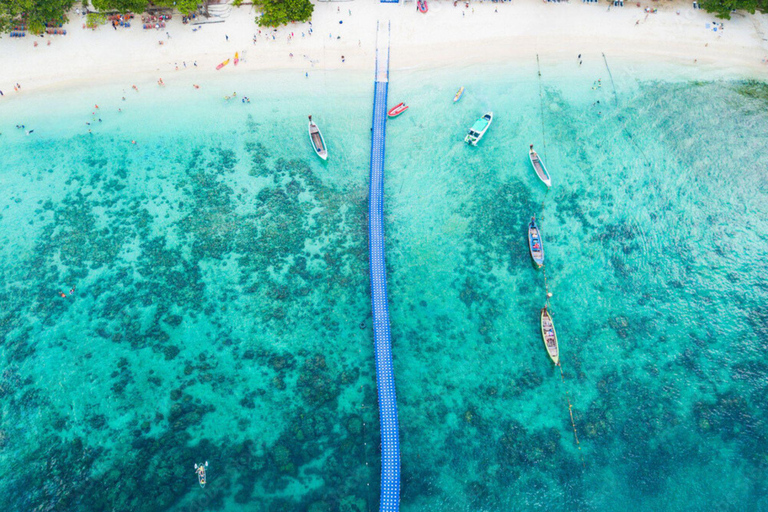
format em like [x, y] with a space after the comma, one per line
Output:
[549, 336]
[478, 129]
[317, 140]
[458, 94]
[538, 166]
[534, 243]
[397, 110]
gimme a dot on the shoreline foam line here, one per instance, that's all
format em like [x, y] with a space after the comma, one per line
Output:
[385, 379]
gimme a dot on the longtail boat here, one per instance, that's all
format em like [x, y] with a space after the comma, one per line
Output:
[458, 94]
[549, 336]
[317, 140]
[538, 166]
[534, 243]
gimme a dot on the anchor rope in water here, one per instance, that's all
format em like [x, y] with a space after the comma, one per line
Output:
[613, 84]
[544, 268]
[620, 116]
[573, 420]
[541, 112]
[562, 379]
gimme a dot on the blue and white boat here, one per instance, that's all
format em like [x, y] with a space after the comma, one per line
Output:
[534, 243]
[478, 129]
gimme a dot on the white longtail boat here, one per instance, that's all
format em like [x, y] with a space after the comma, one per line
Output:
[317, 140]
[549, 336]
[538, 166]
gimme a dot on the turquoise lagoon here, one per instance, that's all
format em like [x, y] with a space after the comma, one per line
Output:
[221, 307]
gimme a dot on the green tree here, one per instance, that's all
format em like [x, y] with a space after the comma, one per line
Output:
[35, 13]
[280, 12]
[722, 8]
[134, 6]
[183, 6]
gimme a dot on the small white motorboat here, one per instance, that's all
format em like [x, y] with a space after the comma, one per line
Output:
[478, 129]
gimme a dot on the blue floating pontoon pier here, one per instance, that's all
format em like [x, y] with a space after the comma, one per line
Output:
[385, 377]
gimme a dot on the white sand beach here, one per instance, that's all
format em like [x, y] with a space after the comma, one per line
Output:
[447, 35]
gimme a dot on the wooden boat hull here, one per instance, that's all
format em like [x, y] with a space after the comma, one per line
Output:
[538, 166]
[549, 335]
[458, 94]
[535, 245]
[317, 141]
[222, 64]
[397, 110]
[478, 129]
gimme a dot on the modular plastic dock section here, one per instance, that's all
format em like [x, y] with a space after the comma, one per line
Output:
[385, 378]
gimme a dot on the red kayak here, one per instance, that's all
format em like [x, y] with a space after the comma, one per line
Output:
[397, 110]
[422, 5]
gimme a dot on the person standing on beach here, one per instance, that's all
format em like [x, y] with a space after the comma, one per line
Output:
[227, 37]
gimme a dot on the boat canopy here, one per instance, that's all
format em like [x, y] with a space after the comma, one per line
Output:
[479, 125]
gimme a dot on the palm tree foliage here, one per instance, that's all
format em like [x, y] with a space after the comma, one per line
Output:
[32, 13]
[722, 8]
[281, 12]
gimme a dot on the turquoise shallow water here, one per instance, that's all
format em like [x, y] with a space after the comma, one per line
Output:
[221, 307]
